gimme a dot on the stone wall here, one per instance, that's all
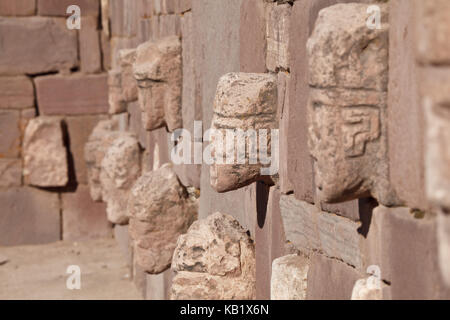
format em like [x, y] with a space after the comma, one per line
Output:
[359, 207]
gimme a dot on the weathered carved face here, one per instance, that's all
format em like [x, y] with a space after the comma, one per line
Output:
[348, 68]
[245, 110]
[158, 72]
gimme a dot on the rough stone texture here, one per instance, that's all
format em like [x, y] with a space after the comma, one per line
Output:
[277, 33]
[36, 45]
[252, 35]
[347, 105]
[169, 25]
[120, 168]
[44, 153]
[17, 93]
[10, 172]
[29, 216]
[83, 218]
[117, 44]
[72, 95]
[89, 41]
[364, 289]
[396, 233]
[214, 260]
[158, 72]
[330, 279]
[182, 5]
[9, 133]
[433, 30]
[17, 7]
[244, 101]
[59, 7]
[405, 114]
[289, 278]
[311, 229]
[127, 58]
[436, 102]
[159, 210]
[105, 132]
[116, 100]
[79, 129]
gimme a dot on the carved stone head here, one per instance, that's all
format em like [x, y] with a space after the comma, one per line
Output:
[244, 144]
[160, 210]
[348, 70]
[158, 72]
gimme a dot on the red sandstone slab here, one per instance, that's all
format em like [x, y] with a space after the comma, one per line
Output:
[72, 95]
[17, 7]
[59, 7]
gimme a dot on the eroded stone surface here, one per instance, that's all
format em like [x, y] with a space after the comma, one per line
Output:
[289, 278]
[364, 289]
[160, 211]
[94, 151]
[214, 260]
[116, 101]
[348, 66]
[277, 34]
[45, 156]
[120, 168]
[158, 73]
[246, 103]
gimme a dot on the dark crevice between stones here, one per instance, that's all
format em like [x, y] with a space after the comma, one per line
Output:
[262, 198]
[366, 207]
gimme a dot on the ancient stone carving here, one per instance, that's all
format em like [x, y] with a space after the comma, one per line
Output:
[98, 143]
[158, 73]
[160, 210]
[214, 260]
[289, 278]
[244, 144]
[348, 66]
[120, 168]
[45, 156]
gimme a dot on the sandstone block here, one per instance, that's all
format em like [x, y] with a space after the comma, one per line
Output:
[435, 100]
[83, 218]
[246, 103]
[289, 278]
[432, 31]
[79, 129]
[17, 93]
[330, 279]
[123, 16]
[10, 133]
[120, 168]
[17, 7]
[98, 143]
[127, 58]
[311, 229]
[443, 236]
[10, 172]
[182, 6]
[395, 233]
[122, 236]
[90, 52]
[117, 44]
[72, 95]
[37, 45]
[29, 216]
[347, 105]
[44, 153]
[59, 7]
[214, 260]
[169, 25]
[158, 72]
[160, 211]
[277, 34]
[406, 119]
[136, 123]
[253, 36]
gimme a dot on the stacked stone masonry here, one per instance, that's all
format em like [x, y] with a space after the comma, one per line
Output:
[353, 94]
